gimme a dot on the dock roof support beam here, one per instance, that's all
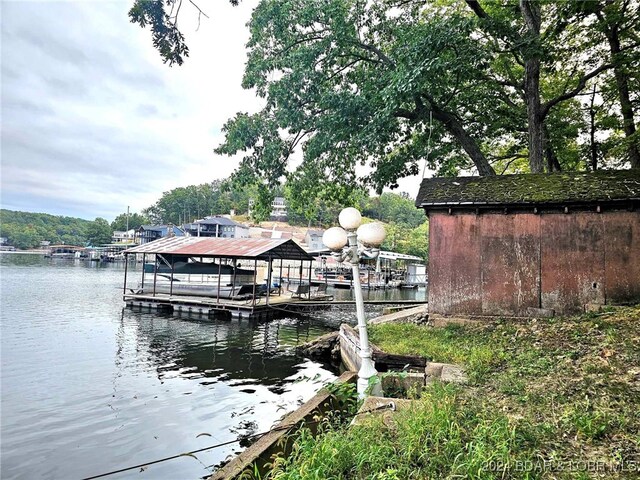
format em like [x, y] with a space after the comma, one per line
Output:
[255, 275]
[126, 264]
[155, 273]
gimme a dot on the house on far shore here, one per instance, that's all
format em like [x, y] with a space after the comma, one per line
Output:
[120, 236]
[313, 239]
[532, 245]
[279, 209]
[149, 233]
[217, 226]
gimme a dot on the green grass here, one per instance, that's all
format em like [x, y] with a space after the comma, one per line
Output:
[451, 344]
[564, 391]
[440, 436]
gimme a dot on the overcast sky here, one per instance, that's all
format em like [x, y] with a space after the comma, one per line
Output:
[93, 121]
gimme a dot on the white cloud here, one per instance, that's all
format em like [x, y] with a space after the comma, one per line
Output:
[93, 120]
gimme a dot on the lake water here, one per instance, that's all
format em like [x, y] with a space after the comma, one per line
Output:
[89, 386]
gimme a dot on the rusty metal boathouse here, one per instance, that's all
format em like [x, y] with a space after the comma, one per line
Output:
[532, 245]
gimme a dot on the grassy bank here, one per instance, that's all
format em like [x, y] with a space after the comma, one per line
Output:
[556, 398]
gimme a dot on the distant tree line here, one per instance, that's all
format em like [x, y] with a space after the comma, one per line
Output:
[406, 226]
[27, 230]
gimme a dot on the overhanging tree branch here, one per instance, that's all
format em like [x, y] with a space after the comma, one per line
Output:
[572, 93]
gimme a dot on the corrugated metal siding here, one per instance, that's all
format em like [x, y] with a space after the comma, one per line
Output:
[510, 263]
[497, 264]
[622, 257]
[572, 261]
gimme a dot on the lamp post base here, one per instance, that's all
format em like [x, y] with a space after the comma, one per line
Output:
[365, 374]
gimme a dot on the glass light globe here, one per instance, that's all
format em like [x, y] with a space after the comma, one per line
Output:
[371, 234]
[334, 238]
[350, 218]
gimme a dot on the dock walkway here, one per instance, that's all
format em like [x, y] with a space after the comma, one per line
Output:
[263, 306]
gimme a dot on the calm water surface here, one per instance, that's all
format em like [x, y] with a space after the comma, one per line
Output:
[89, 387]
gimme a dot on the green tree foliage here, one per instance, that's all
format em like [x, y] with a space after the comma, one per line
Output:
[134, 221]
[99, 232]
[185, 204]
[407, 227]
[402, 238]
[26, 230]
[481, 85]
[393, 208]
[352, 85]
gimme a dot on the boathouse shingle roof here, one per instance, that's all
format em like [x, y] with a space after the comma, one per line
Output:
[531, 189]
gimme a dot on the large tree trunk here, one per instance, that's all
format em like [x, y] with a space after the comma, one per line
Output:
[592, 132]
[469, 144]
[622, 82]
[531, 13]
[553, 164]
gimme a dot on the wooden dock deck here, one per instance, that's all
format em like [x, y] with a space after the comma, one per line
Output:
[262, 308]
[263, 305]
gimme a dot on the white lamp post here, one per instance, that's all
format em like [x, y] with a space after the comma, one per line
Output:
[344, 243]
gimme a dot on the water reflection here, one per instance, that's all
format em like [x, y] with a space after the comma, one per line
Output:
[236, 351]
[88, 386]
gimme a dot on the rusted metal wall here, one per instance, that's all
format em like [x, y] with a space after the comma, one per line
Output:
[510, 263]
[572, 261]
[504, 264]
[622, 257]
[454, 265]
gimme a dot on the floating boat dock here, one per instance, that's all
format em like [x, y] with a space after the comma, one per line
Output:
[203, 275]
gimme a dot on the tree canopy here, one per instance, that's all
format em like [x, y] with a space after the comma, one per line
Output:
[131, 220]
[98, 232]
[365, 92]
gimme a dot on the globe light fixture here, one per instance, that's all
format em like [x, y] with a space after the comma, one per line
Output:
[371, 234]
[335, 238]
[350, 218]
[344, 244]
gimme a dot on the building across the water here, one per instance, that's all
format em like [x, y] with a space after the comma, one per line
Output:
[313, 239]
[149, 233]
[217, 226]
[532, 245]
[124, 237]
[279, 209]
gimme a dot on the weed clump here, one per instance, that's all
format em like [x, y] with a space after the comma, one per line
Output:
[556, 399]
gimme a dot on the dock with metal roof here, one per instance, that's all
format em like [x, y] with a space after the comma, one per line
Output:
[230, 275]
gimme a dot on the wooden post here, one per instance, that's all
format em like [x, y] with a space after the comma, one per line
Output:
[126, 263]
[310, 265]
[219, 275]
[255, 275]
[300, 279]
[269, 265]
[155, 273]
[171, 282]
[280, 282]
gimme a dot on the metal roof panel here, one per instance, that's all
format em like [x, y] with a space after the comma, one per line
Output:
[260, 248]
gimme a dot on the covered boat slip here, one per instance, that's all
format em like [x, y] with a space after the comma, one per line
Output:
[204, 274]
